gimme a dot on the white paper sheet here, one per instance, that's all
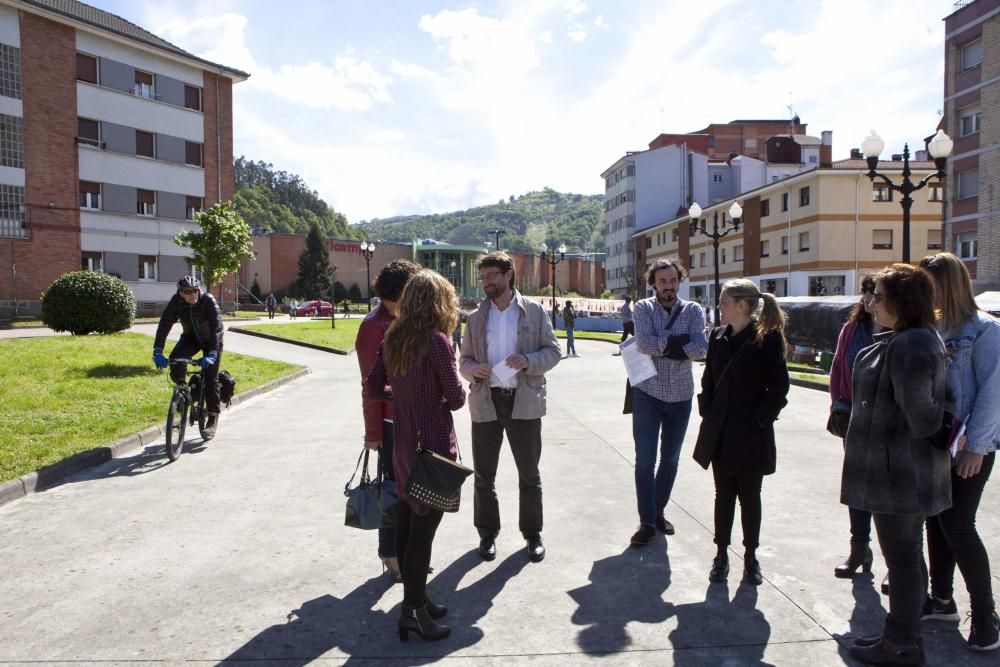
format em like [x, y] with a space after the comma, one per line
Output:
[953, 448]
[503, 372]
[639, 366]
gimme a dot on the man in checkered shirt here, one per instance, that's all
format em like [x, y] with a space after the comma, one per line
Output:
[672, 332]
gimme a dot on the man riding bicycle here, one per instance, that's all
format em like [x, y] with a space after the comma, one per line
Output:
[201, 319]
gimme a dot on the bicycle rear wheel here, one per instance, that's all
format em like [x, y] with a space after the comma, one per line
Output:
[176, 424]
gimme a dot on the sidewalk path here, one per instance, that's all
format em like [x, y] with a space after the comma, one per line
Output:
[238, 551]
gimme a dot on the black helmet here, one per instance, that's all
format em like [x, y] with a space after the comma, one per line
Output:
[188, 282]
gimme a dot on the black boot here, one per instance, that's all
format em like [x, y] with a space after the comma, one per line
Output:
[861, 556]
[751, 570]
[720, 567]
[888, 652]
[435, 610]
[419, 620]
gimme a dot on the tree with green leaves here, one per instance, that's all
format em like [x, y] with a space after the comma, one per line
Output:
[354, 293]
[221, 245]
[315, 273]
[255, 290]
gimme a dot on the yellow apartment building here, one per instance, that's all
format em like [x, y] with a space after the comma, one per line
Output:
[816, 233]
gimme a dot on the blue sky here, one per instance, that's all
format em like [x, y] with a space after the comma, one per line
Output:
[403, 107]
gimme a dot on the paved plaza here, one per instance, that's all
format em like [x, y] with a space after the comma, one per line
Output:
[238, 553]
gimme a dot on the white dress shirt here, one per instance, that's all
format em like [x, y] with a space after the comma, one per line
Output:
[501, 339]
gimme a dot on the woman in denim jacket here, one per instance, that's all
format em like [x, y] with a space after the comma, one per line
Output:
[973, 343]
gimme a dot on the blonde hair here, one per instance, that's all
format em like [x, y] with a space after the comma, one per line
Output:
[428, 305]
[771, 317]
[955, 305]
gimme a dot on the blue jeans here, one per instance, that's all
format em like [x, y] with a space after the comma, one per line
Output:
[570, 343]
[651, 418]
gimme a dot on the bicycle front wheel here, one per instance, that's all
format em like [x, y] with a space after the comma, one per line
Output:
[176, 424]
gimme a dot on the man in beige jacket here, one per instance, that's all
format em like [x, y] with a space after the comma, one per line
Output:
[507, 331]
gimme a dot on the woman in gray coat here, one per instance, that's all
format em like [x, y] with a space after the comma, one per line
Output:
[893, 466]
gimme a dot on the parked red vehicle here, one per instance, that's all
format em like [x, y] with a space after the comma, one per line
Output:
[309, 308]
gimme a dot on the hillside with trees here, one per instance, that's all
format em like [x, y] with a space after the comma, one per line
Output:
[527, 221]
[278, 201]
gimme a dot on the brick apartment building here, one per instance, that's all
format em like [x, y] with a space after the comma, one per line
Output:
[972, 119]
[110, 140]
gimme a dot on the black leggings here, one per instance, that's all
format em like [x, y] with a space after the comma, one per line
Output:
[414, 537]
[727, 489]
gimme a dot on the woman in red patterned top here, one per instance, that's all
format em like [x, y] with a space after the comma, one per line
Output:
[415, 369]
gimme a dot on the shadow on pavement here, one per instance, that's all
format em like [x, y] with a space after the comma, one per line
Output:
[623, 589]
[867, 617]
[719, 631]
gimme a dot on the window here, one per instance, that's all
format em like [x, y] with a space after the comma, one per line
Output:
[192, 98]
[86, 68]
[765, 248]
[784, 201]
[881, 192]
[91, 261]
[12, 211]
[10, 71]
[812, 159]
[144, 144]
[143, 86]
[723, 256]
[675, 234]
[972, 55]
[11, 141]
[738, 253]
[192, 153]
[970, 121]
[881, 239]
[967, 244]
[804, 196]
[784, 245]
[934, 239]
[935, 191]
[88, 132]
[147, 268]
[90, 195]
[750, 143]
[968, 183]
[803, 241]
[701, 259]
[716, 178]
[145, 202]
[765, 208]
[690, 261]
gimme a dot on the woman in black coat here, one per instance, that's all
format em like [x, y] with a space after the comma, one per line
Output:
[743, 389]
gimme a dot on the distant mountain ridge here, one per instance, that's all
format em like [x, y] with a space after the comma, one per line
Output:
[527, 221]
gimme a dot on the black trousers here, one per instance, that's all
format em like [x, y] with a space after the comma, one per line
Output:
[386, 536]
[952, 538]
[901, 538]
[525, 438]
[414, 538]
[187, 347]
[628, 329]
[727, 489]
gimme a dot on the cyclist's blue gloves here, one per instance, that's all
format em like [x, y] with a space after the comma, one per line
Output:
[207, 360]
[160, 360]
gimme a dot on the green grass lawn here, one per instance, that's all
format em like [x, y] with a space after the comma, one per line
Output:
[591, 335]
[822, 379]
[67, 394]
[317, 332]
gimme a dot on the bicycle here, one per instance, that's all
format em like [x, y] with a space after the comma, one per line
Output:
[186, 403]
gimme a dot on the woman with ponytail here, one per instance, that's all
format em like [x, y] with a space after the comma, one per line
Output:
[744, 388]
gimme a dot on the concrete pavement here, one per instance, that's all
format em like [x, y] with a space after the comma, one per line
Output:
[238, 552]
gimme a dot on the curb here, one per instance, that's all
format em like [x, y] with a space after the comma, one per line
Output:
[51, 475]
[809, 384]
[313, 346]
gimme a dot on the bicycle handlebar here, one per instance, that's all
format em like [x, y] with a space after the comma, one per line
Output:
[184, 361]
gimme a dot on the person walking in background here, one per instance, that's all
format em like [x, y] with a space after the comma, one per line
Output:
[672, 332]
[628, 322]
[569, 322]
[347, 309]
[893, 466]
[511, 333]
[972, 341]
[415, 369]
[855, 335]
[743, 390]
[456, 337]
[293, 308]
[378, 415]
[271, 305]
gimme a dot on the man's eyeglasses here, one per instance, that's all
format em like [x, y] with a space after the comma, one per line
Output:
[189, 291]
[489, 277]
[877, 297]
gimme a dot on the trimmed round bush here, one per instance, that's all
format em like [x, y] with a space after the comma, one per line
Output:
[84, 302]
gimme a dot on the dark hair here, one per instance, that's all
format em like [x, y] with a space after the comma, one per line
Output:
[907, 293]
[393, 278]
[498, 260]
[667, 263]
[859, 314]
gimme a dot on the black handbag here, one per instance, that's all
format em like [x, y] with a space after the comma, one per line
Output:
[372, 503]
[436, 481]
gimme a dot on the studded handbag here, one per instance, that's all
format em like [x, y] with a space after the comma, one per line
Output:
[436, 481]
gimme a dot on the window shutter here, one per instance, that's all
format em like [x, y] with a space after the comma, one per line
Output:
[86, 68]
[145, 196]
[144, 143]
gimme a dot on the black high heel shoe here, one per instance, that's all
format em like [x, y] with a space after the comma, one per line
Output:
[435, 610]
[861, 556]
[419, 620]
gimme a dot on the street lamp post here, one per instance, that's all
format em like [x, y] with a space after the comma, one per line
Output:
[552, 261]
[368, 251]
[939, 147]
[735, 213]
[498, 233]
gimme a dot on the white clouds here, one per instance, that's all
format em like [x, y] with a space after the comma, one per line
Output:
[577, 35]
[349, 85]
[483, 43]
[600, 22]
[410, 70]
